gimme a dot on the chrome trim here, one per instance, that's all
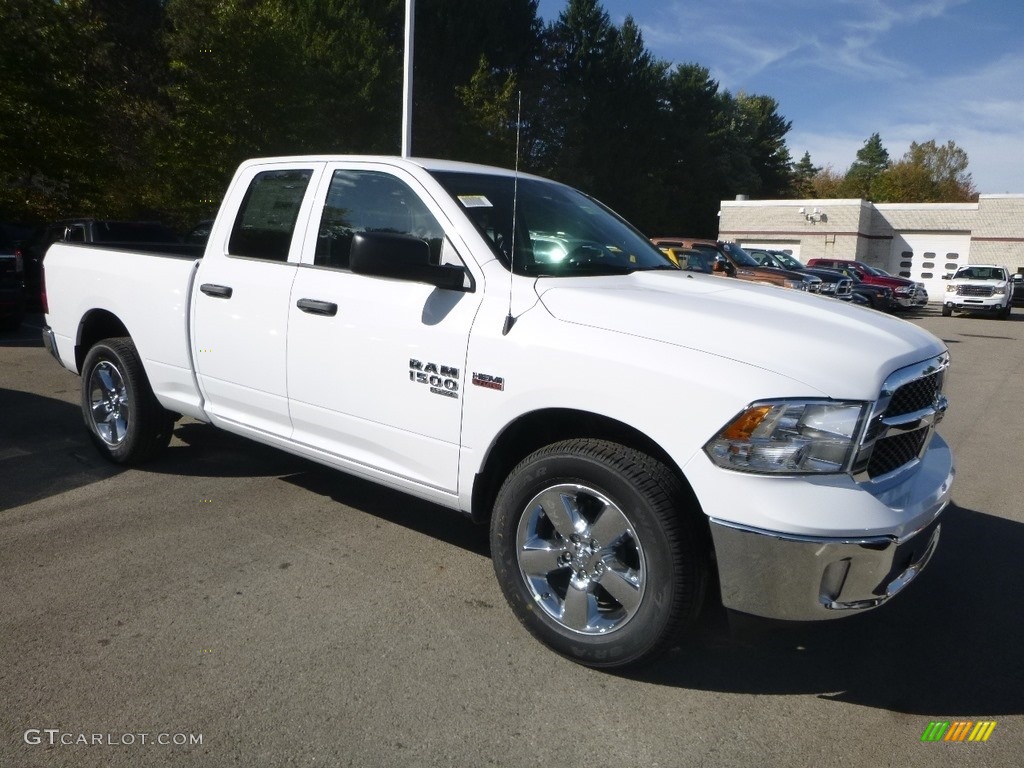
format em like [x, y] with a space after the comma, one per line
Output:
[50, 343]
[878, 426]
[803, 578]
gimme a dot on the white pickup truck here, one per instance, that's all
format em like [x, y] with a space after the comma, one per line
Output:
[979, 288]
[637, 436]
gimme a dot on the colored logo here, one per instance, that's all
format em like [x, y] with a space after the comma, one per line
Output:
[959, 731]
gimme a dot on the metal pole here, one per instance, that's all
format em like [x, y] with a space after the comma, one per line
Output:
[410, 18]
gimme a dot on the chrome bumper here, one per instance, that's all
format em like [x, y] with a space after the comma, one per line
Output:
[802, 578]
[50, 342]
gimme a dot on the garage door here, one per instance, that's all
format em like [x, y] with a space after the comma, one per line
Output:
[926, 256]
[793, 249]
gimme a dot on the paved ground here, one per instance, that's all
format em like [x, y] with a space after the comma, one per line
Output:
[283, 614]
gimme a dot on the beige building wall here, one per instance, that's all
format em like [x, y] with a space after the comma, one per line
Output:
[858, 229]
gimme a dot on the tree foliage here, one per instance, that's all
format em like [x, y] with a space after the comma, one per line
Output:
[928, 173]
[143, 108]
[872, 161]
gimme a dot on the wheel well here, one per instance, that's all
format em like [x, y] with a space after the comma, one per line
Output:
[96, 325]
[535, 430]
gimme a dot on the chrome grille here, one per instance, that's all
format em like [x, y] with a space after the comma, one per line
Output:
[904, 418]
[891, 453]
[974, 290]
[916, 395]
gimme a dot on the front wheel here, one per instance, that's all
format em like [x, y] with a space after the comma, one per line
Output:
[946, 310]
[600, 552]
[125, 421]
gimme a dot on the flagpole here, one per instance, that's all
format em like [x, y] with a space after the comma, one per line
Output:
[410, 16]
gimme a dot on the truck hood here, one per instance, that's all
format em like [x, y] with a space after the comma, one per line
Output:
[841, 351]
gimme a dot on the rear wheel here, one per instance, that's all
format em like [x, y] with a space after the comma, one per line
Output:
[599, 552]
[125, 421]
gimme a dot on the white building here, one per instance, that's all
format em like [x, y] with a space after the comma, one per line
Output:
[922, 241]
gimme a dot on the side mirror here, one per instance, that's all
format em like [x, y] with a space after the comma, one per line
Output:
[948, 276]
[401, 257]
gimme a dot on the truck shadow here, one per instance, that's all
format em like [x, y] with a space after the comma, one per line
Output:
[44, 449]
[949, 646]
[212, 452]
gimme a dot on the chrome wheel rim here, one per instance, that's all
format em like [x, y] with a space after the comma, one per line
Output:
[108, 403]
[581, 559]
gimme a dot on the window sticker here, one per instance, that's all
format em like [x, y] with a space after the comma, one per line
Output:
[475, 201]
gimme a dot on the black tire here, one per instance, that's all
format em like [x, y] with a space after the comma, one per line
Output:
[124, 419]
[607, 603]
[946, 310]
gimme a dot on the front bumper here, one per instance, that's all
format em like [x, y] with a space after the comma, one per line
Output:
[976, 304]
[807, 575]
[804, 578]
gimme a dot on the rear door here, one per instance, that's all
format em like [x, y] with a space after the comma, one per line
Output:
[240, 306]
[377, 366]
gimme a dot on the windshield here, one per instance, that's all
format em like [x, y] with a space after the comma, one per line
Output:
[981, 273]
[789, 262]
[558, 230]
[741, 257]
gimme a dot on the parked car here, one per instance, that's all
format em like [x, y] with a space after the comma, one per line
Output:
[833, 283]
[742, 265]
[908, 294]
[12, 283]
[696, 260]
[979, 288]
[1017, 281]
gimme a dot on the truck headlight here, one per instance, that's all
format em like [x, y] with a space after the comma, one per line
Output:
[789, 437]
[999, 290]
[951, 289]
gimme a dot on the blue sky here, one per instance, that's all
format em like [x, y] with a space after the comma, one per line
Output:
[909, 70]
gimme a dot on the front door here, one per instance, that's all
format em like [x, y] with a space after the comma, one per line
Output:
[376, 366]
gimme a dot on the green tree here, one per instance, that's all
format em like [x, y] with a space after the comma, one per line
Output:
[804, 174]
[264, 77]
[472, 59]
[764, 131]
[872, 160]
[928, 173]
[57, 101]
[606, 125]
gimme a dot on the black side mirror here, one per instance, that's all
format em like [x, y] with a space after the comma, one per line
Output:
[402, 257]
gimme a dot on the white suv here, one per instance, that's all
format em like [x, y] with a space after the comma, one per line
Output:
[979, 288]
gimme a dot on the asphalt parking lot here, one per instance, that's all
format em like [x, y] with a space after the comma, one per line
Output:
[232, 605]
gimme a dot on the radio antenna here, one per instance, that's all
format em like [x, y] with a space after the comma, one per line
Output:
[509, 320]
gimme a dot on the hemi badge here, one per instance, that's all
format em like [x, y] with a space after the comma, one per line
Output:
[488, 381]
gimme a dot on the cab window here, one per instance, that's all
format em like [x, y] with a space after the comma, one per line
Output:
[371, 201]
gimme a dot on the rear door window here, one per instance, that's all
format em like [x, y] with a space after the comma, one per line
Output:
[266, 219]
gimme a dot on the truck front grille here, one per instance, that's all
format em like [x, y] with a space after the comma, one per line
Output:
[903, 421]
[974, 290]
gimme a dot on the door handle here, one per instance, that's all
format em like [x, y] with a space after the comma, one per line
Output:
[316, 307]
[217, 291]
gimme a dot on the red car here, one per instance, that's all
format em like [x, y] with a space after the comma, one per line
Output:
[907, 293]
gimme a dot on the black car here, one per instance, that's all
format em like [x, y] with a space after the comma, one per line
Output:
[1017, 281]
